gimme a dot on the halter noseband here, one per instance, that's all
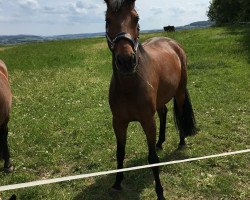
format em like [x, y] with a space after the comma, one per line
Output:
[122, 36]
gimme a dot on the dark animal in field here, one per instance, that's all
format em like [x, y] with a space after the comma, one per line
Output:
[169, 28]
[145, 78]
[5, 106]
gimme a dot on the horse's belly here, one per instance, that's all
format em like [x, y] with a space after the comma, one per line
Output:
[168, 85]
[164, 98]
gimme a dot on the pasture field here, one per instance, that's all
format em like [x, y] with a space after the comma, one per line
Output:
[61, 123]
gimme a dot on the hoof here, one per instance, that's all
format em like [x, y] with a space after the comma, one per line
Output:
[117, 188]
[160, 197]
[159, 147]
[8, 169]
[13, 197]
[181, 146]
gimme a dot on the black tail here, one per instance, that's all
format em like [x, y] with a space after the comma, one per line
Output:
[185, 122]
[1, 143]
[3, 135]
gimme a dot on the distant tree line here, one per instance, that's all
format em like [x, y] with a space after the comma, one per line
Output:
[229, 11]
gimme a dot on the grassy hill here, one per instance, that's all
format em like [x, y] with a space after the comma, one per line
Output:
[22, 39]
[61, 123]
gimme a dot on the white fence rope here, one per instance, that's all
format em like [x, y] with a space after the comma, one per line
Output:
[81, 176]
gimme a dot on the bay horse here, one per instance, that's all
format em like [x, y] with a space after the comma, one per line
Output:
[145, 78]
[5, 106]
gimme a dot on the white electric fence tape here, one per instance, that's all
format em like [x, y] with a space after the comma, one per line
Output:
[70, 178]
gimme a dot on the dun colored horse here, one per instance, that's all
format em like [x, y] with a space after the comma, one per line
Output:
[145, 77]
[5, 105]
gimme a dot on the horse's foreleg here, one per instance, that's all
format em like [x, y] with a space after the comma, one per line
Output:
[162, 113]
[120, 129]
[150, 131]
[5, 150]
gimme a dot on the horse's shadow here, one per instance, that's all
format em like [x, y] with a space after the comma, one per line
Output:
[134, 183]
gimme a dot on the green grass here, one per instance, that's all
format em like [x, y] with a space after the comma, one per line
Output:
[61, 123]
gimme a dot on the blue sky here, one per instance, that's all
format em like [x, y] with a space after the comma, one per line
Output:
[47, 17]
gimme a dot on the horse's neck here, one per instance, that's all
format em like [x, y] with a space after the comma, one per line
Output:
[126, 84]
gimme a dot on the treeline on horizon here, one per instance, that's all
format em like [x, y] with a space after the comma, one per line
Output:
[229, 11]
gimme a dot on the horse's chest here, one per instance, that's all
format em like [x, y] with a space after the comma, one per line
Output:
[131, 107]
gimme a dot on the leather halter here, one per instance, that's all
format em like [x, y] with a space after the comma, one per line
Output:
[122, 36]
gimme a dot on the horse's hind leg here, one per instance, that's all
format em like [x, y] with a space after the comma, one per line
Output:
[162, 113]
[5, 150]
[120, 129]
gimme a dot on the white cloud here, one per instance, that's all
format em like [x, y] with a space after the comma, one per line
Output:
[78, 8]
[156, 10]
[177, 11]
[84, 7]
[29, 4]
[48, 9]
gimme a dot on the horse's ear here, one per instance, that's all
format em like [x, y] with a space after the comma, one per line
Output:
[133, 1]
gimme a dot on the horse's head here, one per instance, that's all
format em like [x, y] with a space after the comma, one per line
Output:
[122, 32]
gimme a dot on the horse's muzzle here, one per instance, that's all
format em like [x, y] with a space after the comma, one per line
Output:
[126, 64]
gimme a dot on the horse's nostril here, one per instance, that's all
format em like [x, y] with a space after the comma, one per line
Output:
[123, 60]
[126, 61]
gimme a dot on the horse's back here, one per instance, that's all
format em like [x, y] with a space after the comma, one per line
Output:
[155, 40]
[164, 44]
[5, 93]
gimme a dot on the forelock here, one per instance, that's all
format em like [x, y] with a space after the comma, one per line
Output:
[116, 5]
